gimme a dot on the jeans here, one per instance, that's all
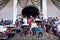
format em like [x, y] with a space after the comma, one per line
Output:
[34, 31]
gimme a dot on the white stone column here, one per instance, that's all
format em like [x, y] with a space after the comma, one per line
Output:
[14, 10]
[44, 9]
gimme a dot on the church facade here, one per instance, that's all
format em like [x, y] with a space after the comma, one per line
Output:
[9, 9]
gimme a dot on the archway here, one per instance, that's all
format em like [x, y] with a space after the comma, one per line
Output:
[30, 10]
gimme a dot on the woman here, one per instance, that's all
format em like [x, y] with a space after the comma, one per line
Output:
[34, 28]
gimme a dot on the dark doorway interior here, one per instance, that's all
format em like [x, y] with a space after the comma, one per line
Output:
[30, 10]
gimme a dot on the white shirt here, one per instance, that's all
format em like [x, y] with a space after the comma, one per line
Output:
[25, 20]
[58, 28]
[34, 25]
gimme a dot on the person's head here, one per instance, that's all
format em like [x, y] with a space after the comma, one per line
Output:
[37, 16]
[33, 22]
[56, 17]
[16, 21]
[24, 16]
[44, 20]
[39, 26]
[48, 22]
[30, 16]
[2, 19]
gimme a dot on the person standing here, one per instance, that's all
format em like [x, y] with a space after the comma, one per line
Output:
[40, 30]
[16, 23]
[54, 29]
[25, 20]
[30, 20]
[48, 26]
[34, 28]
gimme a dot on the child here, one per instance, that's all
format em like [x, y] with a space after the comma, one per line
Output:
[40, 30]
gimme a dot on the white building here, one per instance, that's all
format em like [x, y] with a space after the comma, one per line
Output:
[14, 7]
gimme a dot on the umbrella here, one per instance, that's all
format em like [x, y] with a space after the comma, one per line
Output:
[9, 26]
[38, 20]
[25, 25]
[3, 29]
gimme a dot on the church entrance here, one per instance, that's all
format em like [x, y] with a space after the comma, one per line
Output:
[30, 10]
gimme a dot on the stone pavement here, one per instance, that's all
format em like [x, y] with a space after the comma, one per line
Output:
[45, 36]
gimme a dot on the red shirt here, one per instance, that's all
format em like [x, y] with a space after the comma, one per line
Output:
[30, 20]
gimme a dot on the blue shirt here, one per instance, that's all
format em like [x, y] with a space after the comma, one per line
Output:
[40, 29]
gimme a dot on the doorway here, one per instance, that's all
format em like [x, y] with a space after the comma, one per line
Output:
[30, 10]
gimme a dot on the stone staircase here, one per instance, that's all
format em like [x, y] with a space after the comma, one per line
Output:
[45, 36]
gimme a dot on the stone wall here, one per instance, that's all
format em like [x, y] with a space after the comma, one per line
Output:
[7, 11]
[52, 10]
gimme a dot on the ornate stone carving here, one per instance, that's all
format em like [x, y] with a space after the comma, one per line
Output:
[36, 2]
[56, 3]
[3, 3]
[24, 3]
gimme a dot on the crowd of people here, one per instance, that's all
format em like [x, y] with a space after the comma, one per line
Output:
[5, 22]
[49, 26]
[30, 26]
